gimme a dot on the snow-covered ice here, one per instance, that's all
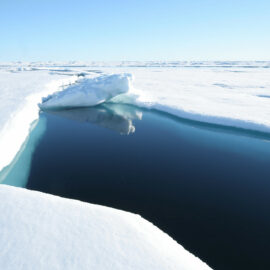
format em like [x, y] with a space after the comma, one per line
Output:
[236, 97]
[88, 92]
[19, 95]
[40, 231]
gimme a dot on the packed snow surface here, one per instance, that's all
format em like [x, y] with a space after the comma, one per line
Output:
[40, 231]
[88, 92]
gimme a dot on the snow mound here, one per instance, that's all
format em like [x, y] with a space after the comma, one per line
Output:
[88, 92]
[42, 231]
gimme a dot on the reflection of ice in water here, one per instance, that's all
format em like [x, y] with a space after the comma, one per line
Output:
[117, 117]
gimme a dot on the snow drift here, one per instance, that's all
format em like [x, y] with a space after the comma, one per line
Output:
[88, 92]
[42, 231]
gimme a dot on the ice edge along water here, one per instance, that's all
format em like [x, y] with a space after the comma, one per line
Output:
[90, 92]
[75, 234]
[43, 231]
[167, 91]
[20, 95]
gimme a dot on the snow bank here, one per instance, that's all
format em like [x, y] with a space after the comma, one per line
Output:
[88, 92]
[42, 231]
[19, 95]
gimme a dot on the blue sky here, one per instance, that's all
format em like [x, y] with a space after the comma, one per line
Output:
[111, 30]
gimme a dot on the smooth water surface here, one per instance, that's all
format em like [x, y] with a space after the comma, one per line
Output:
[208, 188]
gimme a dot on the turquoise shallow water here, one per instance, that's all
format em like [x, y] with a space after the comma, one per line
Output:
[17, 173]
[206, 186]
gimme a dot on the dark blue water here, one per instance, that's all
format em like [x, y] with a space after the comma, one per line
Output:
[207, 187]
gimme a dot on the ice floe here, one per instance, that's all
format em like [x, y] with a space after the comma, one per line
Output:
[40, 231]
[88, 92]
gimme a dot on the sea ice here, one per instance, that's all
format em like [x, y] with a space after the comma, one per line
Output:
[234, 97]
[225, 93]
[19, 94]
[88, 92]
[40, 231]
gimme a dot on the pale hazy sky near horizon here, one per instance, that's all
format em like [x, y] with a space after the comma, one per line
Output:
[103, 30]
